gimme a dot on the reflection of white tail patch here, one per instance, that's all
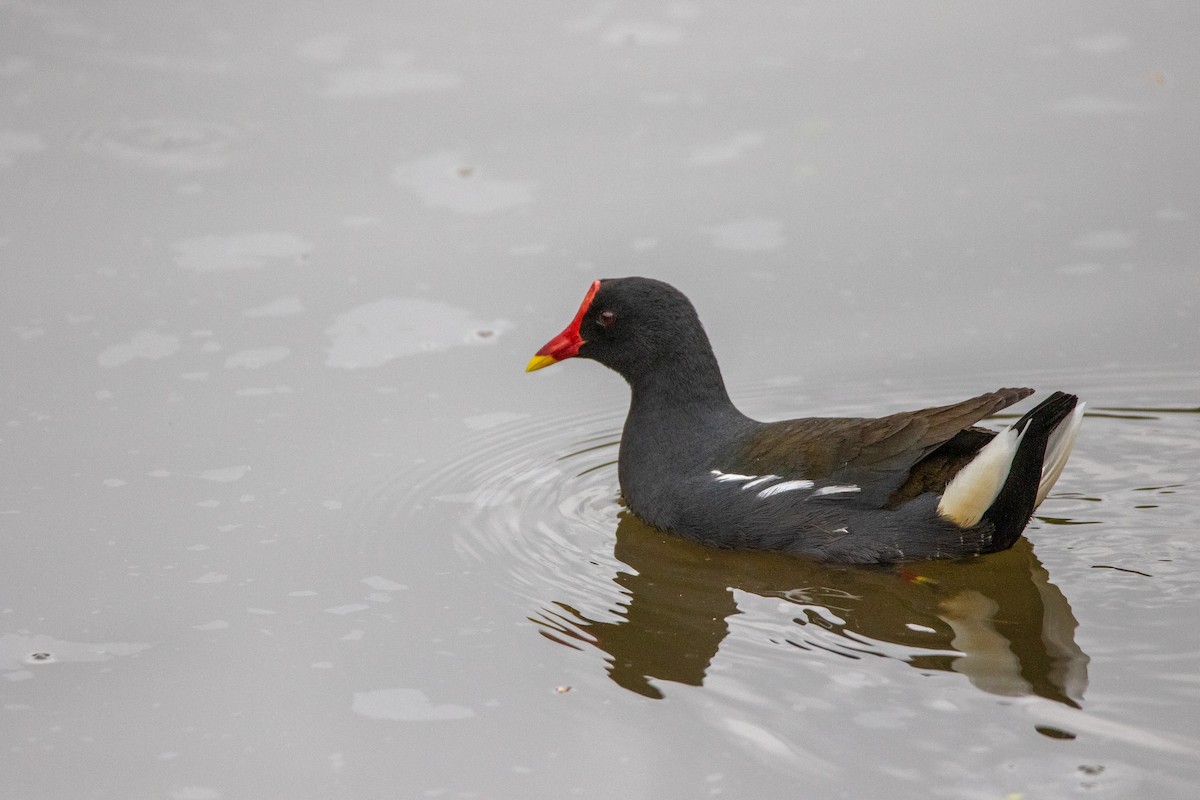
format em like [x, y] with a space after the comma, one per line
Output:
[1058, 450]
[976, 485]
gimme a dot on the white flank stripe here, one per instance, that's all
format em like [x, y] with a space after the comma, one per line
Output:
[727, 477]
[976, 485]
[757, 481]
[786, 486]
[1058, 450]
[837, 489]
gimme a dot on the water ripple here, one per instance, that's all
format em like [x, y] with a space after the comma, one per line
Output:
[544, 518]
[536, 502]
[180, 145]
[533, 504]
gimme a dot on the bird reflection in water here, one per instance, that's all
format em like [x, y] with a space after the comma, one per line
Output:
[998, 620]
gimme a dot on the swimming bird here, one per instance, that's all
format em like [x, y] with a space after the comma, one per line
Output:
[911, 486]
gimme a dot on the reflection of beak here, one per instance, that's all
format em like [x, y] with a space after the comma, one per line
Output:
[567, 343]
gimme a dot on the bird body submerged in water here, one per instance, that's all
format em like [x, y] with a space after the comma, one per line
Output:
[910, 486]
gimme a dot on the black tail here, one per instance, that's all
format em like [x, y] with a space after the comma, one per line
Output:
[1012, 508]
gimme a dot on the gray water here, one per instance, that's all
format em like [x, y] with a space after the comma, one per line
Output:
[281, 516]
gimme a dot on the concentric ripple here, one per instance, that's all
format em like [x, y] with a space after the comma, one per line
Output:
[536, 503]
[181, 145]
[536, 500]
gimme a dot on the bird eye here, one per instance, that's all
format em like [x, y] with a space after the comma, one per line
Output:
[607, 318]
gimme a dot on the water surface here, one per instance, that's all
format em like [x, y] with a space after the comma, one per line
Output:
[281, 515]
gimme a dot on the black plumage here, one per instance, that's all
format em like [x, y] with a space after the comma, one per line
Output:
[836, 489]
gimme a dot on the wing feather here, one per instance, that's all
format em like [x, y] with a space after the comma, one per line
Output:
[875, 453]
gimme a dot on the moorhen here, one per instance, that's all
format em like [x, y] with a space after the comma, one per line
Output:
[910, 486]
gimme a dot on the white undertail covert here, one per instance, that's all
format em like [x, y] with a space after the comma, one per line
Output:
[977, 485]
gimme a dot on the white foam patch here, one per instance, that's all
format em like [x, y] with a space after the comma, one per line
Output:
[361, 221]
[14, 65]
[747, 235]
[16, 650]
[282, 307]
[263, 391]
[446, 180]
[1172, 214]
[173, 144]
[1105, 240]
[411, 705]
[256, 358]
[195, 793]
[28, 333]
[763, 743]
[378, 332]
[382, 584]
[645, 33]
[215, 625]
[225, 474]
[239, 251]
[1087, 105]
[393, 75]
[1079, 269]
[1102, 44]
[732, 150]
[146, 345]
[325, 49]
[14, 144]
[349, 608]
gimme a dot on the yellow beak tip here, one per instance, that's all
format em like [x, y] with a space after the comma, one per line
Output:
[537, 362]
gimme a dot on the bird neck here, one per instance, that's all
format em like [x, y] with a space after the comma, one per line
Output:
[680, 417]
[686, 382]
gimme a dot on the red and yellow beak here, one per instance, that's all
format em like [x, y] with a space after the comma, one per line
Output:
[567, 343]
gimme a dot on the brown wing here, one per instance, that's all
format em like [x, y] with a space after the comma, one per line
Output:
[875, 454]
